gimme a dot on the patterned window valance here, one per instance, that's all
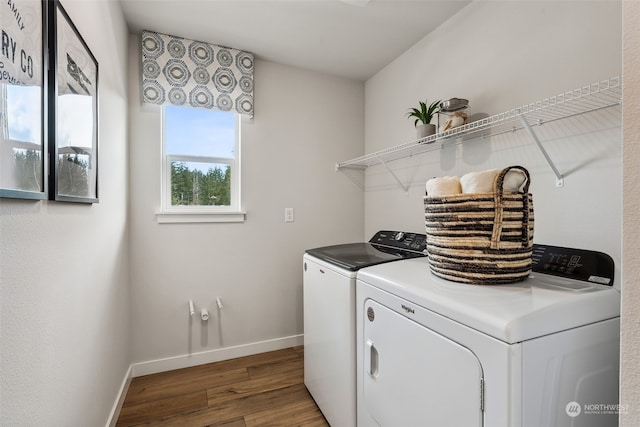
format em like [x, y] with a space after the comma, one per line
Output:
[191, 73]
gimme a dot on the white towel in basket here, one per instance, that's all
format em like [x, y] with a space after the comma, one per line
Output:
[444, 186]
[482, 182]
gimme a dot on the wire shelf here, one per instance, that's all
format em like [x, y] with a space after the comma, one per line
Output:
[594, 97]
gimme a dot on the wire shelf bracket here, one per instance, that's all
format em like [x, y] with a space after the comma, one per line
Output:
[404, 187]
[534, 137]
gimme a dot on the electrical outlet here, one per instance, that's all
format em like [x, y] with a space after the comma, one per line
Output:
[288, 215]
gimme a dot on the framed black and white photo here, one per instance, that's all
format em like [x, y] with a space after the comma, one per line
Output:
[73, 112]
[23, 134]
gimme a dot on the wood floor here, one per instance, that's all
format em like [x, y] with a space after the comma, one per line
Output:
[261, 390]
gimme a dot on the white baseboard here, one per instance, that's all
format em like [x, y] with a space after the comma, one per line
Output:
[194, 359]
[122, 393]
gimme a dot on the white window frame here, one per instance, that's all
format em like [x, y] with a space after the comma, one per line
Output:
[204, 213]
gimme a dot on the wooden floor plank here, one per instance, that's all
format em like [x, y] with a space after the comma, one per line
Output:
[275, 369]
[157, 409]
[319, 421]
[231, 411]
[197, 380]
[239, 422]
[263, 389]
[298, 413]
[252, 387]
[234, 409]
[163, 378]
[256, 359]
[270, 400]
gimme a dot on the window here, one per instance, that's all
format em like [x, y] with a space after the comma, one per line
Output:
[21, 138]
[201, 165]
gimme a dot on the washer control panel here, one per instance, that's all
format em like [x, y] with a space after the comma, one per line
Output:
[413, 242]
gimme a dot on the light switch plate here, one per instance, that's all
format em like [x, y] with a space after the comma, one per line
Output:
[288, 215]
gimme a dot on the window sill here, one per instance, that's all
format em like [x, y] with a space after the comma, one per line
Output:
[199, 217]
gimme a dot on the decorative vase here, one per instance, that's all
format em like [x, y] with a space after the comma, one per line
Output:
[425, 130]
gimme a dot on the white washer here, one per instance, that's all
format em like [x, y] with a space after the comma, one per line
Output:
[540, 353]
[329, 285]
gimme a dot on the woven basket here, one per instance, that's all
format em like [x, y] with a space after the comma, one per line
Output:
[481, 238]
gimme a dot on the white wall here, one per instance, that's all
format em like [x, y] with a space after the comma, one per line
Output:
[501, 55]
[630, 378]
[304, 123]
[64, 291]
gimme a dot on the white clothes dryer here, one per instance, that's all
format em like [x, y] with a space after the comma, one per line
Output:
[540, 353]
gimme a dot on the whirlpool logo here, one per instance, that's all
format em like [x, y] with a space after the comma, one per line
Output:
[408, 309]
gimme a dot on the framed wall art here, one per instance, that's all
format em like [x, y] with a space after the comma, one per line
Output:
[23, 91]
[73, 112]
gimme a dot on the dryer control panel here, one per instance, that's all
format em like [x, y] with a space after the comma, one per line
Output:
[578, 264]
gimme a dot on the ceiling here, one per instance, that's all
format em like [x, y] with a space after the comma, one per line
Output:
[348, 38]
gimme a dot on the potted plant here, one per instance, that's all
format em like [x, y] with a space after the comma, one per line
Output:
[423, 117]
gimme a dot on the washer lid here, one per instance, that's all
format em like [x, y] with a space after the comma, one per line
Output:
[541, 305]
[384, 246]
[353, 256]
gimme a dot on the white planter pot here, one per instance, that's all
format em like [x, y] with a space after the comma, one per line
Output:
[425, 130]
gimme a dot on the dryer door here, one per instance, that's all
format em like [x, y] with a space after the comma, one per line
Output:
[416, 377]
